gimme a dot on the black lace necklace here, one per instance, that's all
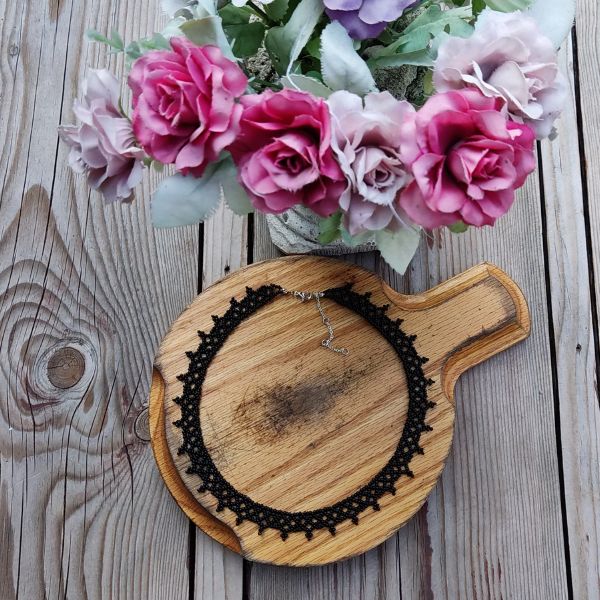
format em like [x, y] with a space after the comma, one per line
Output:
[202, 465]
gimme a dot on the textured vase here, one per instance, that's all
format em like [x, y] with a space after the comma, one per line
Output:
[297, 232]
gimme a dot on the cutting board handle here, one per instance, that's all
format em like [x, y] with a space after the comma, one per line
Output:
[470, 318]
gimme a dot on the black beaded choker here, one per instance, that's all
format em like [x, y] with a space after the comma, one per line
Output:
[366, 497]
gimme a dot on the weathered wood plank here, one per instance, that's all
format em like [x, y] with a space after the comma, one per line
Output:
[225, 245]
[84, 512]
[588, 55]
[219, 571]
[570, 263]
[264, 249]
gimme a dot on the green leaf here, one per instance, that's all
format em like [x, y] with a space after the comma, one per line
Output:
[421, 58]
[314, 48]
[398, 248]
[233, 15]
[329, 229]
[205, 8]
[234, 194]
[246, 38]
[116, 41]
[185, 200]
[428, 25]
[285, 44]
[277, 9]
[160, 41]
[458, 227]
[306, 84]
[136, 49]
[554, 17]
[357, 240]
[156, 42]
[508, 5]
[133, 51]
[478, 7]
[278, 48]
[341, 65]
[95, 36]
[173, 28]
[208, 31]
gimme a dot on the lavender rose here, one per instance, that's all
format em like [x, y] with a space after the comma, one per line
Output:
[507, 57]
[103, 143]
[365, 19]
[366, 142]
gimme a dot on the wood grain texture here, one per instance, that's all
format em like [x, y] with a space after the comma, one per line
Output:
[84, 513]
[588, 84]
[575, 337]
[74, 517]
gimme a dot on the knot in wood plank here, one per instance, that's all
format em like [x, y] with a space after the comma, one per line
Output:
[66, 367]
[142, 425]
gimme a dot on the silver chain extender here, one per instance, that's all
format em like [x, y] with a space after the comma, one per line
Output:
[316, 296]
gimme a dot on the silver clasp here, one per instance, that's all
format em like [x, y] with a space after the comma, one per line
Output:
[316, 296]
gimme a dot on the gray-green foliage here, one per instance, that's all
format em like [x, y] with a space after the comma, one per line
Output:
[133, 50]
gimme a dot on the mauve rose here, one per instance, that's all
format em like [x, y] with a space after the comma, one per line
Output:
[185, 109]
[366, 142]
[507, 57]
[364, 19]
[284, 154]
[467, 158]
[102, 143]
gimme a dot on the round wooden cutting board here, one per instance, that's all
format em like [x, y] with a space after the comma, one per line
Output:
[297, 427]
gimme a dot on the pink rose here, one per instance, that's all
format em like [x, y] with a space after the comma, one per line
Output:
[185, 110]
[467, 158]
[102, 143]
[284, 154]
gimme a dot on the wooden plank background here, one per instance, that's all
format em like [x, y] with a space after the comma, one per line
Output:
[83, 512]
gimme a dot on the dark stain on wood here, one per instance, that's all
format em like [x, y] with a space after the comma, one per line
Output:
[426, 592]
[287, 406]
[7, 543]
[283, 408]
[54, 9]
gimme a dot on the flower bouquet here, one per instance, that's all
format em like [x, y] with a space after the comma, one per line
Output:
[378, 118]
